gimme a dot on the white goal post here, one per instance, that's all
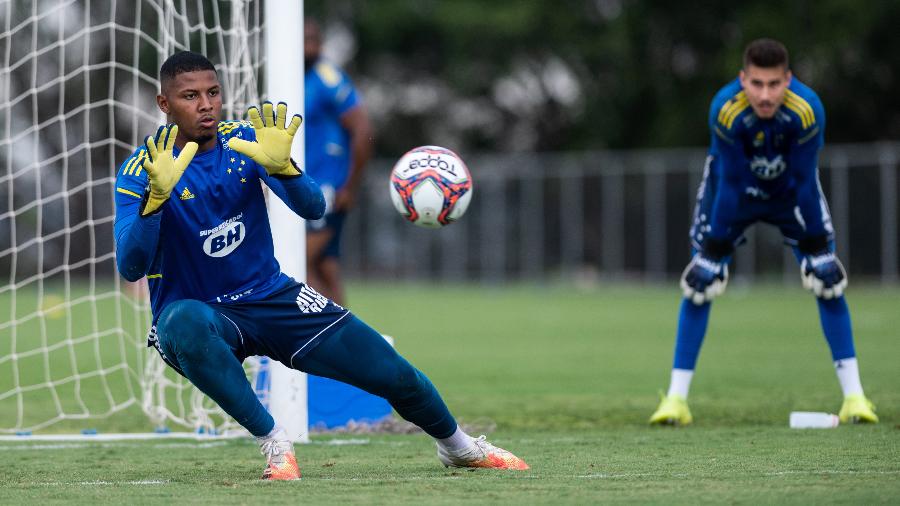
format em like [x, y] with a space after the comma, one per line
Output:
[77, 94]
[284, 82]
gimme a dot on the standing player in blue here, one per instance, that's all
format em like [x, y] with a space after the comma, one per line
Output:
[767, 129]
[191, 217]
[338, 146]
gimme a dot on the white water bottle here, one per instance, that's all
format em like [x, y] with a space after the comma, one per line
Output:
[813, 420]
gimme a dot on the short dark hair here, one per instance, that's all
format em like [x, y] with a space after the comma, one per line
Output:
[766, 53]
[181, 62]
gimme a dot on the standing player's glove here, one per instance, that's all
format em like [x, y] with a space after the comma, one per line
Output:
[272, 148]
[704, 278]
[823, 274]
[163, 169]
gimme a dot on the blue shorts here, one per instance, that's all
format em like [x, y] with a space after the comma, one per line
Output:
[335, 223]
[781, 211]
[285, 326]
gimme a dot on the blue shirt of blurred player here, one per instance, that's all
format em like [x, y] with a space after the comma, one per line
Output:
[338, 146]
[329, 94]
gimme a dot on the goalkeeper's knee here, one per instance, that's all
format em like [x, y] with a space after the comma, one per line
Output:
[186, 328]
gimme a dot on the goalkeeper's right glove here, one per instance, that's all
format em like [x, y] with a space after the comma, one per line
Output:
[163, 169]
[706, 276]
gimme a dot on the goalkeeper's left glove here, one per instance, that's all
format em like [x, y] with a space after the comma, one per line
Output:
[820, 269]
[272, 148]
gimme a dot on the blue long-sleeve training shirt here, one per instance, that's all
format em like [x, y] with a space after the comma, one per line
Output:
[766, 159]
[211, 241]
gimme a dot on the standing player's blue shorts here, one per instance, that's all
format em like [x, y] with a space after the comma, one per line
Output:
[332, 221]
[755, 206]
[335, 223]
[285, 326]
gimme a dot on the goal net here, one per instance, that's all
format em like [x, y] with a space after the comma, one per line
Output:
[77, 95]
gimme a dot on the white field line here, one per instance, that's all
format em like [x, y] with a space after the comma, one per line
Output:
[457, 476]
[615, 476]
[81, 446]
[118, 437]
[24, 445]
[829, 471]
[67, 446]
[810, 472]
[343, 442]
[101, 483]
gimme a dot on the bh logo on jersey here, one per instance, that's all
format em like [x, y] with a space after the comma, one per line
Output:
[767, 169]
[224, 240]
[311, 301]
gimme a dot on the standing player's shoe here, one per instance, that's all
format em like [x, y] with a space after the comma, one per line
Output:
[672, 410]
[281, 464]
[857, 409]
[481, 454]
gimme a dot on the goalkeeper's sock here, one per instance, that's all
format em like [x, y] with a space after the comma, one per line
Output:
[456, 443]
[835, 318]
[692, 323]
[848, 374]
[680, 383]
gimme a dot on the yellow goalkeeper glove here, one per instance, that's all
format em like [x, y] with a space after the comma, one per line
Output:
[272, 148]
[163, 169]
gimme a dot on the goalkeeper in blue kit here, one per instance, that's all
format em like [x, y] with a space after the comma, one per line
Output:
[767, 129]
[191, 217]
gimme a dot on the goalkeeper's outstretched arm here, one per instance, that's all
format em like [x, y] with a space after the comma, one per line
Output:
[136, 236]
[139, 199]
[136, 240]
[271, 150]
[301, 194]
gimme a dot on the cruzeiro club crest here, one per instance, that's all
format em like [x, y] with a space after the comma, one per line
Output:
[767, 169]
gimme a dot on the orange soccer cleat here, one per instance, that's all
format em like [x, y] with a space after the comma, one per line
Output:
[482, 454]
[281, 464]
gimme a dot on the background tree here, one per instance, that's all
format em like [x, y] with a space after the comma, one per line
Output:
[526, 75]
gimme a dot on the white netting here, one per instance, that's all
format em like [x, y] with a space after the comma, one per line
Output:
[77, 94]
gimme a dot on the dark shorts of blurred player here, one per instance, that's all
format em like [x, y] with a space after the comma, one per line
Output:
[323, 252]
[333, 224]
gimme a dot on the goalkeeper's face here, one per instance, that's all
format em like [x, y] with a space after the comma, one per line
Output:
[765, 87]
[193, 101]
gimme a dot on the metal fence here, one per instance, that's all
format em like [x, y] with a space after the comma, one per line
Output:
[611, 215]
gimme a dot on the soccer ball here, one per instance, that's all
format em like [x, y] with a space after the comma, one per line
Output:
[431, 186]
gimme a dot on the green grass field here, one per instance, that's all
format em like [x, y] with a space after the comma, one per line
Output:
[567, 380]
